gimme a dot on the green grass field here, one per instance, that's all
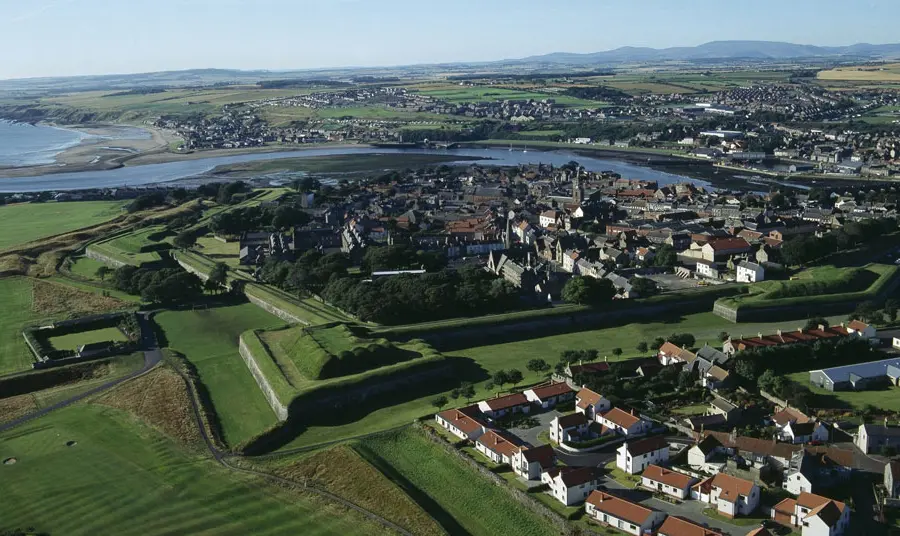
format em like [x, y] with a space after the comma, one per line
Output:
[460, 499]
[885, 399]
[209, 339]
[86, 267]
[74, 340]
[15, 314]
[219, 251]
[24, 223]
[123, 477]
[140, 240]
[460, 94]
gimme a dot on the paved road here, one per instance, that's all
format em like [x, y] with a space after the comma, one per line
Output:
[152, 357]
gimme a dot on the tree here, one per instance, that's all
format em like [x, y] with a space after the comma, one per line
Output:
[514, 376]
[867, 311]
[185, 240]
[724, 336]
[500, 378]
[218, 277]
[588, 291]
[657, 343]
[467, 391]
[617, 352]
[102, 272]
[642, 347]
[644, 287]
[814, 323]
[439, 402]
[666, 257]
[746, 369]
[685, 340]
[538, 366]
[891, 306]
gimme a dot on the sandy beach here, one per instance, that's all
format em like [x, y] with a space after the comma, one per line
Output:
[106, 148]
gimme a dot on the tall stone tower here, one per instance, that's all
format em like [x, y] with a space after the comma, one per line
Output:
[577, 188]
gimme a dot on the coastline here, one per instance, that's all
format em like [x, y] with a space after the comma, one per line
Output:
[102, 149]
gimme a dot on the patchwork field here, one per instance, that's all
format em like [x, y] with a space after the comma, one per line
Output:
[209, 340]
[74, 340]
[868, 73]
[25, 222]
[123, 477]
[460, 499]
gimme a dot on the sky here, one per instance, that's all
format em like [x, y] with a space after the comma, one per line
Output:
[79, 37]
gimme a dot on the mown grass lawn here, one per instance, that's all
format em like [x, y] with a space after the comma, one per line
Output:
[123, 477]
[22, 223]
[15, 314]
[887, 399]
[705, 327]
[209, 339]
[456, 496]
[74, 340]
[87, 268]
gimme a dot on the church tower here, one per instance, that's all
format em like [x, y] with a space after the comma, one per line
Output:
[577, 189]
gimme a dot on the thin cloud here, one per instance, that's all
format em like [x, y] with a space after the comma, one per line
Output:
[39, 10]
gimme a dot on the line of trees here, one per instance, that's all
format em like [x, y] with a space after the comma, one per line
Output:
[416, 298]
[805, 249]
[164, 286]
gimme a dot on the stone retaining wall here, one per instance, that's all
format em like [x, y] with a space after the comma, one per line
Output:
[92, 254]
[190, 269]
[280, 409]
[272, 309]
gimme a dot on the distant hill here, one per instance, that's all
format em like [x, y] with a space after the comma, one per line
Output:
[717, 50]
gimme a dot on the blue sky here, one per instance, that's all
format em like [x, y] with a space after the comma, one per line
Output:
[70, 37]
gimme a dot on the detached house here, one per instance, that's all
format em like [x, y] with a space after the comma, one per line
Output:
[463, 423]
[623, 515]
[505, 405]
[571, 485]
[567, 428]
[812, 471]
[892, 479]
[497, 445]
[623, 423]
[635, 456]
[531, 463]
[667, 481]
[816, 515]
[676, 526]
[730, 495]
[670, 354]
[549, 395]
[590, 403]
[807, 432]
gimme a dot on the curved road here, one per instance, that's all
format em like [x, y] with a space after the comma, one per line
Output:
[152, 357]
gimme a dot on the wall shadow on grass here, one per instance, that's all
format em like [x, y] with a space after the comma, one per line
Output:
[343, 405]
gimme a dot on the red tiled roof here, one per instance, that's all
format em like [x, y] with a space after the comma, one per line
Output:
[728, 244]
[731, 488]
[813, 501]
[463, 418]
[507, 401]
[551, 390]
[621, 418]
[675, 526]
[643, 446]
[619, 508]
[667, 476]
[495, 441]
[586, 398]
[578, 476]
[857, 325]
[570, 421]
[789, 414]
[543, 455]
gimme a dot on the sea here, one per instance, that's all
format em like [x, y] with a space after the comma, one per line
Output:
[22, 144]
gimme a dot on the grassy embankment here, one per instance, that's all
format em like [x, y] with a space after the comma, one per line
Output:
[125, 477]
[209, 340]
[26, 222]
[822, 285]
[27, 302]
[135, 248]
[462, 501]
[477, 363]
